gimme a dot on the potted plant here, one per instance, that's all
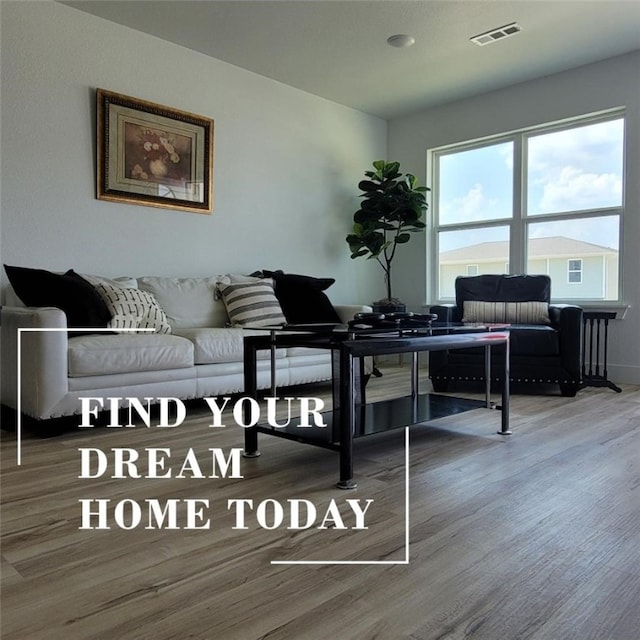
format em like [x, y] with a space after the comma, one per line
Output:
[391, 209]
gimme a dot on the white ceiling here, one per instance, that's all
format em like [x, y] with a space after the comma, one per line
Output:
[337, 48]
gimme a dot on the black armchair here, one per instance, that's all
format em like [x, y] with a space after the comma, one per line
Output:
[543, 349]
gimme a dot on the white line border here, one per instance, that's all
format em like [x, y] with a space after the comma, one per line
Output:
[405, 561]
[22, 330]
[406, 525]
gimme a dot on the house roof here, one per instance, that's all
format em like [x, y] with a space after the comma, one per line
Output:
[338, 49]
[555, 246]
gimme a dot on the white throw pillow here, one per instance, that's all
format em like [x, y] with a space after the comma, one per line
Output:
[132, 308]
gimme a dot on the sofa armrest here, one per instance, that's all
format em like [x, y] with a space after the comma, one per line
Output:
[43, 359]
[346, 312]
[445, 312]
[567, 319]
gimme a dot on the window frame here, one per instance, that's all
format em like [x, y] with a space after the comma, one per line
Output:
[520, 220]
[571, 271]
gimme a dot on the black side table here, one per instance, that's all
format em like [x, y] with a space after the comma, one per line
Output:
[594, 344]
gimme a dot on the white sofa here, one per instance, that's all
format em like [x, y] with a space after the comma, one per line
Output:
[200, 357]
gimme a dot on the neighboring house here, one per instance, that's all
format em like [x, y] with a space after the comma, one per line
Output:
[579, 270]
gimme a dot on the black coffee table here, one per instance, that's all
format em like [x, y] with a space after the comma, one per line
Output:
[351, 416]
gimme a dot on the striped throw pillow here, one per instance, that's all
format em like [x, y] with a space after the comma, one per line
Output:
[252, 303]
[512, 312]
[133, 309]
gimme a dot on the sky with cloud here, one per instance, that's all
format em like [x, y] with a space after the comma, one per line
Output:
[577, 169]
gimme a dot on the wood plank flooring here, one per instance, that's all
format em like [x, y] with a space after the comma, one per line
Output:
[535, 536]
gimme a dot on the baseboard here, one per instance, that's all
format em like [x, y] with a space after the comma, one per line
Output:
[623, 374]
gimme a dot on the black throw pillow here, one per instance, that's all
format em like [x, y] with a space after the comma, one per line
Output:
[70, 292]
[302, 298]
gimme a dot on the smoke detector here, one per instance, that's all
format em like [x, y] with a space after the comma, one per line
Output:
[496, 34]
[401, 41]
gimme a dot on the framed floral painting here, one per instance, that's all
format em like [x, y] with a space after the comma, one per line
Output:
[153, 155]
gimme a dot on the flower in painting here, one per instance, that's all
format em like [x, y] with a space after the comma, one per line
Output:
[158, 151]
[139, 172]
[156, 155]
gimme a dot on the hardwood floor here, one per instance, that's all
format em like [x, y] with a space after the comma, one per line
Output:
[535, 536]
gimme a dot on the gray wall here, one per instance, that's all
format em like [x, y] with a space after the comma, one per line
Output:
[287, 163]
[608, 84]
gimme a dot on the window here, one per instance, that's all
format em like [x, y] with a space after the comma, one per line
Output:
[472, 270]
[574, 272]
[546, 200]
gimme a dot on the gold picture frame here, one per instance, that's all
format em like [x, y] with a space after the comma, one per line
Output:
[152, 155]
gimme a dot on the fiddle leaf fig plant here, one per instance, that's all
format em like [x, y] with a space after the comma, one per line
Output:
[391, 210]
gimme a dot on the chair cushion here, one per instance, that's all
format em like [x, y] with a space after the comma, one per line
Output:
[534, 340]
[539, 341]
[97, 355]
[502, 288]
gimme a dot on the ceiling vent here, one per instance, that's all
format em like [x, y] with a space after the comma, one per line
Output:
[496, 34]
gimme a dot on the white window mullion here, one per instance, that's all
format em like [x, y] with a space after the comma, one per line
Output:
[433, 224]
[517, 255]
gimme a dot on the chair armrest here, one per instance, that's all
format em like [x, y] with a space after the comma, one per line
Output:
[445, 312]
[567, 319]
[347, 311]
[43, 359]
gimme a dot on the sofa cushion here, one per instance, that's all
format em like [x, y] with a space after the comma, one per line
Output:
[302, 298]
[126, 282]
[236, 278]
[69, 291]
[531, 312]
[215, 345]
[97, 355]
[252, 303]
[188, 302]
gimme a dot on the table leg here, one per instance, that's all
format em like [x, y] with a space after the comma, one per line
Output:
[504, 418]
[347, 420]
[250, 390]
[487, 376]
[272, 350]
[415, 380]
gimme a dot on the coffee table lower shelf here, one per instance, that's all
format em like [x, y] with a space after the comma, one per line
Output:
[371, 418]
[352, 416]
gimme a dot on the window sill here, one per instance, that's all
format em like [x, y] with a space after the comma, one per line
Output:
[619, 309]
